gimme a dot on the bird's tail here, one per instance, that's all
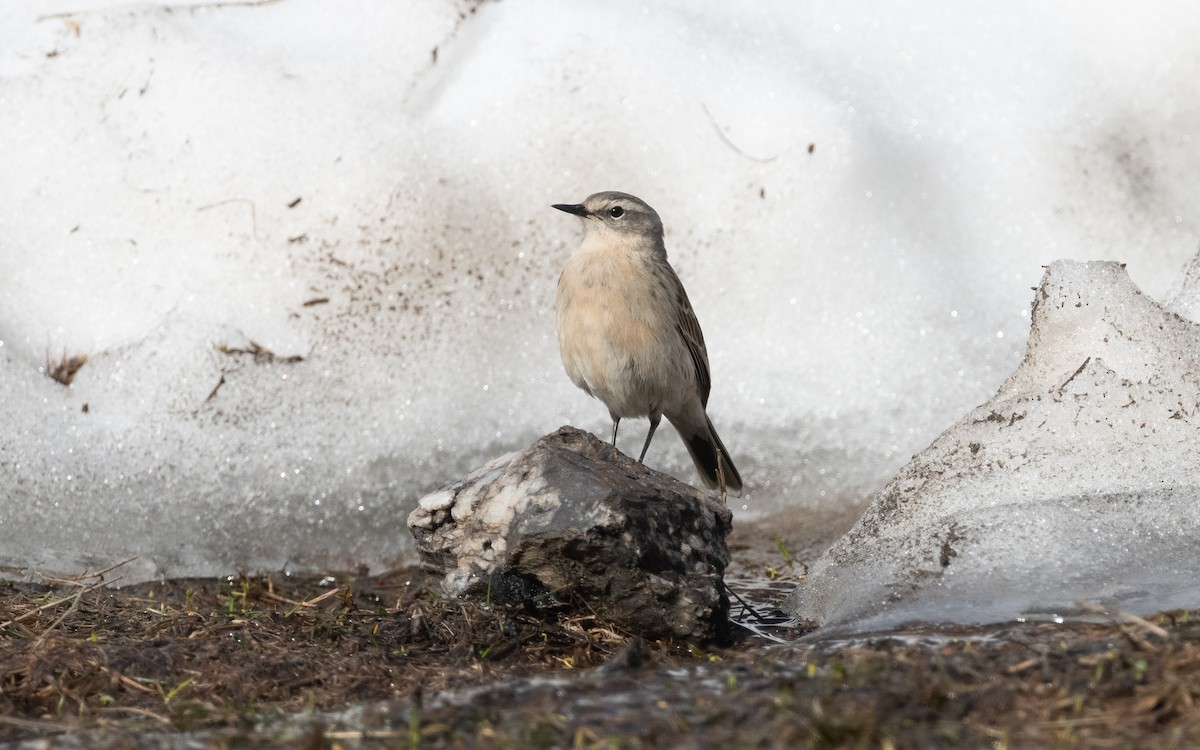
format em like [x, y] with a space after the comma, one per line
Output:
[708, 453]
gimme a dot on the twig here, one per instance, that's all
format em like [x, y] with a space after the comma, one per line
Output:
[70, 610]
[1081, 721]
[1128, 617]
[1068, 380]
[75, 580]
[138, 711]
[731, 144]
[35, 725]
[742, 602]
[212, 394]
[31, 613]
[308, 603]
[73, 598]
[135, 685]
[365, 734]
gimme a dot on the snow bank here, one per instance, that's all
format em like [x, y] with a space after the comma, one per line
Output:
[1076, 482]
[308, 251]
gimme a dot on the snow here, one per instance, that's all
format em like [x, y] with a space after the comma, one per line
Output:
[857, 296]
[1077, 482]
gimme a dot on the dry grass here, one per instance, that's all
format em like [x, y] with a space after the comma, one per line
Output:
[185, 654]
[261, 354]
[217, 656]
[65, 369]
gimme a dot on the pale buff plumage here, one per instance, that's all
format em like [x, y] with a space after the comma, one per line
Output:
[627, 333]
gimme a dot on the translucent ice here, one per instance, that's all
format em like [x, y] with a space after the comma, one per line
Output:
[1076, 482]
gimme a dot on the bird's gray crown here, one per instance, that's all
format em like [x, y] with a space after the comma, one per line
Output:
[619, 212]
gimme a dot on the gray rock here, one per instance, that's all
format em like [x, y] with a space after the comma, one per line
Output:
[572, 519]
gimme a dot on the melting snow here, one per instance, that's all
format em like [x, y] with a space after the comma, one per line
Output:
[1077, 482]
[308, 251]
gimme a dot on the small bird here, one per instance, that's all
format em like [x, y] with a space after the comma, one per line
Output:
[627, 333]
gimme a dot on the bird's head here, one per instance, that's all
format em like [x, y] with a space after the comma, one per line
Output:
[618, 213]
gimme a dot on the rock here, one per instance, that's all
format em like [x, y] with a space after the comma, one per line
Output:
[1077, 482]
[576, 519]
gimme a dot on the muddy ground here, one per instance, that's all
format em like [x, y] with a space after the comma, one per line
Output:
[381, 661]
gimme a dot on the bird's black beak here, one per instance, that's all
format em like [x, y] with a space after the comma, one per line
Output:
[571, 208]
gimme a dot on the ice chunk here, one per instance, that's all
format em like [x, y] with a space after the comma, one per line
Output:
[1076, 482]
[1186, 300]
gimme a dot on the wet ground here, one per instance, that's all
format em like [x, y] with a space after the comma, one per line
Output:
[358, 661]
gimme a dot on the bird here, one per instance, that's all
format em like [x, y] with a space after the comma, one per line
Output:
[627, 333]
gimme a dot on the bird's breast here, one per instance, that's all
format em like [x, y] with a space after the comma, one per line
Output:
[600, 313]
[616, 334]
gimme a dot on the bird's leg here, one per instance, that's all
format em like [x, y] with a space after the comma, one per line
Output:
[654, 419]
[721, 480]
[616, 421]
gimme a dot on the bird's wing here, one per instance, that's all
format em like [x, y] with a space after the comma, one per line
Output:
[689, 329]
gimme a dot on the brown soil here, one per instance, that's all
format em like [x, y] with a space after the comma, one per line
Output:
[381, 661]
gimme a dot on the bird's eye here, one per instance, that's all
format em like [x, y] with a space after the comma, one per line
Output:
[616, 212]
